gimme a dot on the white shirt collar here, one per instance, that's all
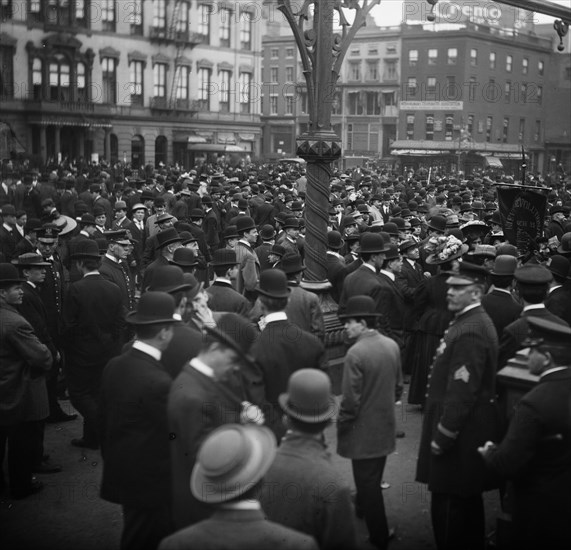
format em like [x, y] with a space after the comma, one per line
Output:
[96, 272]
[389, 274]
[244, 241]
[372, 268]
[553, 288]
[83, 232]
[336, 254]
[112, 258]
[31, 284]
[201, 367]
[468, 308]
[549, 371]
[224, 280]
[7, 227]
[242, 505]
[411, 262]
[496, 289]
[533, 306]
[149, 350]
[276, 316]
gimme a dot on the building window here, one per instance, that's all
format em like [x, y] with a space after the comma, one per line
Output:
[391, 48]
[509, 63]
[274, 53]
[354, 71]
[452, 56]
[410, 126]
[159, 14]
[59, 71]
[35, 10]
[540, 67]
[506, 129]
[81, 81]
[432, 56]
[523, 92]
[489, 128]
[58, 12]
[273, 104]
[225, 77]
[537, 134]
[136, 82]
[521, 134]
[80, 13]
[451, 87]
[109, 70]
[372, 70]
[6, 71]
[429, 127]
[492, 60]
[472, 89]
[373, 106]
[273, 74]
[289, 53]
[246, 19]
[355, 52]
[525, 65]
[181, 89]
[6, 10]
[135, 17]
[337, 104]
[108, 15]
[289, 105]
[411, 86]
[289, 74]
[204, 90]
[181, 24]
[470, 125]
[160, 80]
[391, 69]
[37, 78]
[540, 94]
[245, 92]
[355, 105]
[412, 58]
[448, 127]
[225, 26]
[431, 87]
[204, 22]
[508, 92]
[473, 57]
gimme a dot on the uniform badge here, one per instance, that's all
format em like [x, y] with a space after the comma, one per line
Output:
[441, 348]
[462, 374]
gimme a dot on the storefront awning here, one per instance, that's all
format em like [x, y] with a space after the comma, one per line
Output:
[494, 162]
[196, 139]
[215, 148]
[420, 152]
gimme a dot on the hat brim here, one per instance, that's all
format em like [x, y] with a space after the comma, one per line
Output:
[133, 318]
[358, 315]
[284, 294]
[171, 290]
[459, 280]
[9, 282]
[206, 489]
[34, 264]
[68, 225]
[166, 243]
[433, 259]
[312, 418]
[229, 342]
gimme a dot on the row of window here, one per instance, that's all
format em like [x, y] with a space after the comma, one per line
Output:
[452, 59]
[491, 91]
[432, 125]
[372, 70]
[80, 13]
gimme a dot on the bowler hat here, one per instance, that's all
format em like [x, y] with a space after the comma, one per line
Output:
[230, 233]
[30, 259]
[244, 223]
[184, 257]
[437, 223]
[195, 286]
[153, 308]
[236, 332]
[166, 237]
[334, 240]
[231, 460]
[407, 245]
[359, 306]
[207, 200]
[98, 211]
[291, 223]
[9, 275]
[291, 263]
[392, 229]
[138, 206]
[392, 252]
[273, 284]
[187, 237]
[33, 224]
[504, 265]
[565, 246]
[165, 217]
[87, 219]
[196, 213]
[85, 250]
[267, 233]
[169, 278]
[372, 243]
[559, 266]
[147, 196]
[507, 249]
[224, 256]
[278, 250]
[308, 397]
[120, 205]
[468, 274]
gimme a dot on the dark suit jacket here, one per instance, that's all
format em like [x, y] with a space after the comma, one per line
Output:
[34, 311]
[211, 227]
[335, 275]
[52, 294]
[222, 297]
[185, 344]
[559, 302]
[134, 393]
[536, 455]
[238, 530]
[151, 268]
[407, 281]
[502, 309]
[391, 303]
[8, 242]
[264, 214]
[263, 252]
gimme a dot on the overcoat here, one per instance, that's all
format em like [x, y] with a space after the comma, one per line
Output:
[502, 309]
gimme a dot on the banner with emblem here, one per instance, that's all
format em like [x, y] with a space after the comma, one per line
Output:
[522, 212]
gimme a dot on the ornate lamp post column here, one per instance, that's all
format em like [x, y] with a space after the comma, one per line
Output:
[322, 52]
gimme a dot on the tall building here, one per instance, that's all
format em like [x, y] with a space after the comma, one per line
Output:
[143, 82]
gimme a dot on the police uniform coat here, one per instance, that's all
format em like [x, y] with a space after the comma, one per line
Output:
[118, 273]
[460, 412]
[536, 455]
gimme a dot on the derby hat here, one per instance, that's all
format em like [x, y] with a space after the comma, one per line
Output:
[267, 233]
[408, 245]
[86, 219]
[187, 237]
[163, 218]
[392, 252]
[169, 279]
[437, 223]
[184, 257]
[308, 397]
[30, 259]
[153, 308]
[359, 306]
[86, 250]
[236, 332]
[391, 228]
[196, 213]
[504, 265]
[273, 284]
[166, 237]
[147, 196]
[468, 274]
[565, 246]
[8, 210]
[98, 211]
[207, 200]
[244, 223]
[33, 224]
[484, 250]
[9, 275]
[334, 240]
[230, 233]
[230, 461]
[291, 223]
[291, 263]
[559, 266]
[507, 249]
[195, 286]
[224, 256]
[278, 250]
[120, 205]
[372, 243]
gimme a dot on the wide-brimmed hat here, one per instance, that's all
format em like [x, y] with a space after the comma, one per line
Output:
[291, 263]
[504, 265]
[308, 397]
[30, 259]
[273, 283]
[244, 223]
[138, 206]
[166, 237]
[86, 250]
[65, 224]
[236, 332]
[372, 243]
[153, 308]
[184, 257]
[468, 274]
[168, 278]
[359, 306]
[231, 460]
[437, 223]
[449, 249]
[224, 256]
[9, 275]
[475, 226]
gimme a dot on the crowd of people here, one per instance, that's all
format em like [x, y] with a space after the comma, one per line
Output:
[171, 311]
